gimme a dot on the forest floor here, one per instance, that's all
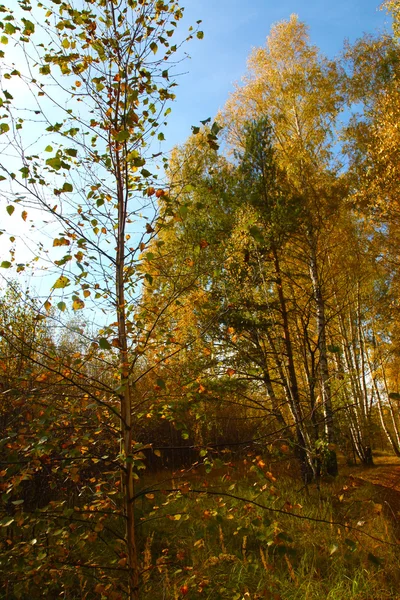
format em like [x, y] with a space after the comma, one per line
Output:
[336, 541]
[385, 477]
[385, 472]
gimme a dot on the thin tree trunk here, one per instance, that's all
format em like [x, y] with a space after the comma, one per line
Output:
[303, 450]
[276, 411]
[357, 417]
[391, 410]
[331, 459]
[125, 400]
[392, 442]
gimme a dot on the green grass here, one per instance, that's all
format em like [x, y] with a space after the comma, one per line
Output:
[219, 548]
[214, 540]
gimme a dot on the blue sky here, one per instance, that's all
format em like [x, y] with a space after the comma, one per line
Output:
[233, 27]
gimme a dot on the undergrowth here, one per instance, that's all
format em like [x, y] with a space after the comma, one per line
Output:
[209, 544]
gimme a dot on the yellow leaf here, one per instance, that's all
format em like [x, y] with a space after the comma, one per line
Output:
[61, 242]
[78, 304]
[61, 282]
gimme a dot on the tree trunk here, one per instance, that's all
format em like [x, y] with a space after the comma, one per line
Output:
[330, 461]
[125, 400]
[303, 450]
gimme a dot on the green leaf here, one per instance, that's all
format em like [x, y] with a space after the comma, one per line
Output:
[9, 29]
[67, 187]
[4, 127]
[71, 152]
[375, 559]
[104, 344]
[352, 545]
[154, 47]
[215, 129]
[54, 163]
[200, 35]
[62, 306]
[5, 264]
[61, 282]
[161, 383]
[44, 70]
[29, 27]
[48, 149]
[183, 211]
[255, 232]
[122, 136]
[334, 349]
[10, 209]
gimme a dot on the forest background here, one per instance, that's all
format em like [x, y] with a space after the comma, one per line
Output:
[216, 332]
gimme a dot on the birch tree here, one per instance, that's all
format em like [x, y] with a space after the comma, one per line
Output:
[297, 88]
[99, 81]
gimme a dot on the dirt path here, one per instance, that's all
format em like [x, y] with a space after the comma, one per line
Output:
[385, 473]
[385, 477]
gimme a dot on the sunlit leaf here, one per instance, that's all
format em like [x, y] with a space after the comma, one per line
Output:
[78, 304]
[61, 282]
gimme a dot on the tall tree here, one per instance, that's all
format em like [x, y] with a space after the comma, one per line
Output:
[297, 88]
[100, 83]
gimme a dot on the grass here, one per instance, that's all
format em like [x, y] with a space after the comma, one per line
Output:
[220, 548]
[229, 534]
